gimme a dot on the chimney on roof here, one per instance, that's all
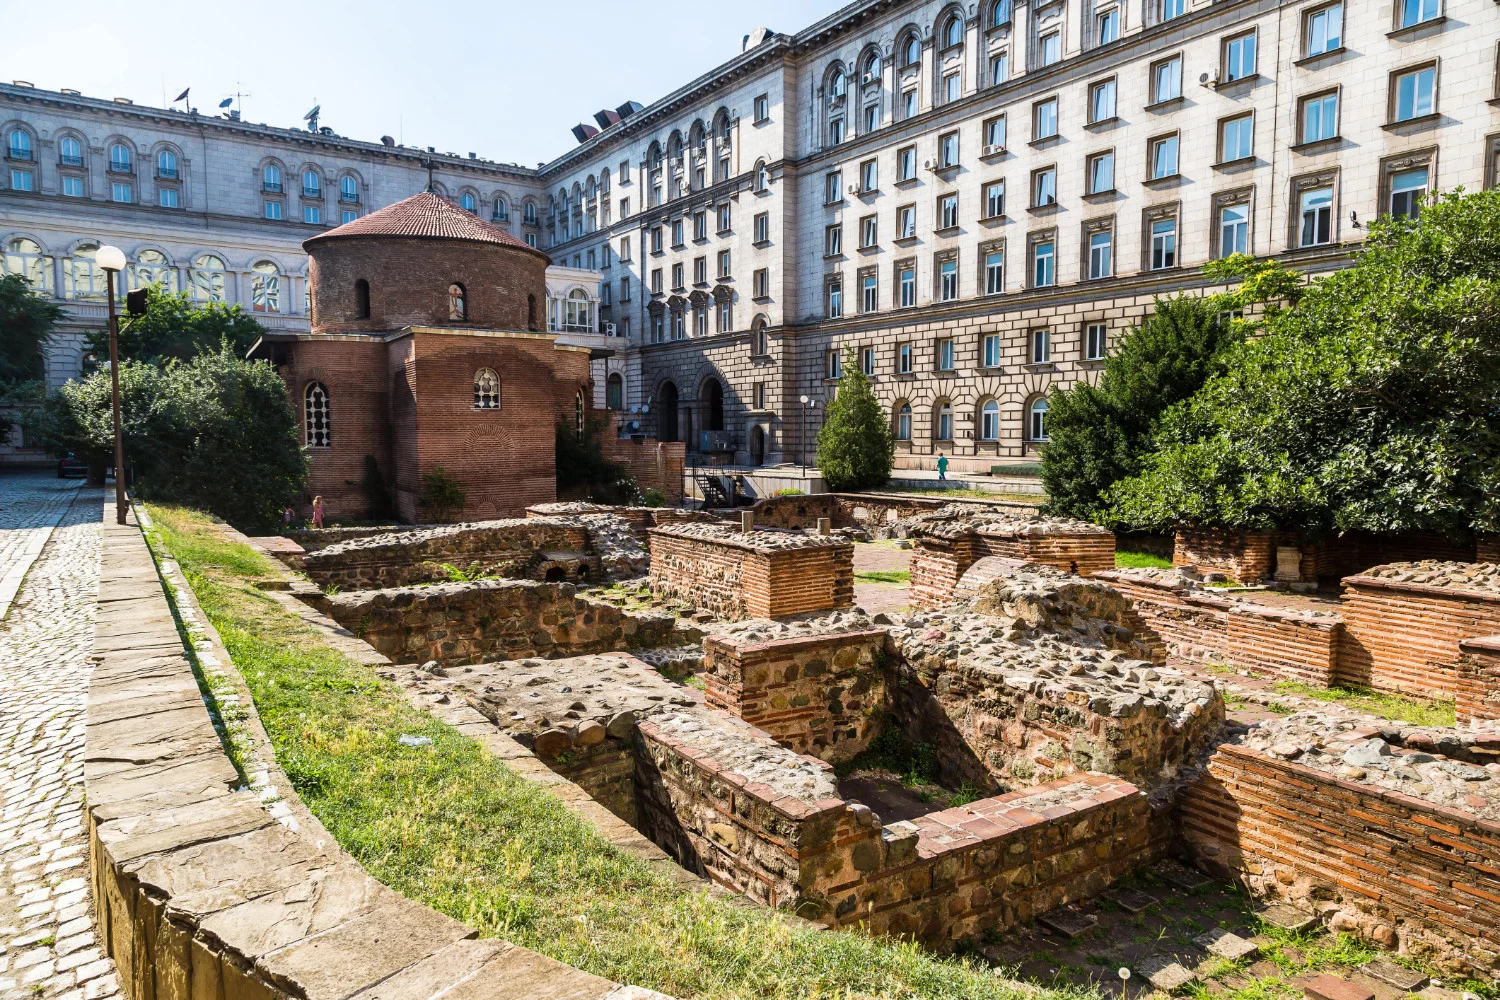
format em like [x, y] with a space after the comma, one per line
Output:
[629, 108]
[606, 118]
[583, 132]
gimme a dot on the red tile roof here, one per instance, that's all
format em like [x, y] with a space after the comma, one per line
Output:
[424, 215]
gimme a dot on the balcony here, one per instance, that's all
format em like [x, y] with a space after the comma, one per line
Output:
[316, 193]
[349, 198]
[18, 155]
[271, 187]
[70, 161]
[167, 174]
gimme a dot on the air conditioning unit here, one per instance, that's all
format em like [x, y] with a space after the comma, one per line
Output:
[929, 165]
[868, 78]
[1209, 79]
[993, 150]
[609, 330]
[854, 189]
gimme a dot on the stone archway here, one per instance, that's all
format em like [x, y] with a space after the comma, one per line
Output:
[713, 405]
[665, 407]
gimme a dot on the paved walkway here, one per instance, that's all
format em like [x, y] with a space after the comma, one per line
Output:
[47, 944]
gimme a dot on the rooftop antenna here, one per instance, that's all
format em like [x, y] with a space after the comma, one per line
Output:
[312, 117]
[235, 98]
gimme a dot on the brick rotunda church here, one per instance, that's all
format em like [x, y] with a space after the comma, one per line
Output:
[426, 353]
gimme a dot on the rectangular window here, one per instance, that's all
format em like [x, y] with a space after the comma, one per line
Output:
[1102, 101]
[948, 281]
[994, 271]
[945, 355]
[906, 279]
[1164, 156]
[836, 131]
[1044, 187]
[1095, 339]
[1041, 347]
[952, 88]
[906, 222]
[1408, 191]
[677, 276]
[872, 117]
[1101, 172]
[833, 191]
[869, 293]
[833, 241]
[1234, 230]
[677, 233]
[1320, 117]
[656, 239]
[624, 206]
[1173, 8]
[118, 191]
[1316, 212]
[835, 302]
[724, 263]
[760, 283]
[1043, 260]
[700, 270]
[990, 351]
[21, 180]
[906, 163]
[1163, 244]
[656, 280]
[868, 176]
[867, 360]
[625, 289]
[1418, 11]
[724, 218]
[167, 197]
[700, 225]
[909, 103]
[1323, 30]
[758, 396]
[834, 363]
[1166, 80]
[763, 227]
[1044, 120]
[1415, 91]
[948, 149]
[948, 211]
[1107, 26]
[1051, 48]
[762, 108]
[1239, 57]
[994, 199]
[1101, 254]
[999, 68]
[904, 358]
[1237, 138]
[869, 231]
[994, 134]
[72, 187]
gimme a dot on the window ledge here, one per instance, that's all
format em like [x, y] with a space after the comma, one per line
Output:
[1236, 82]
[907, 241]
[1092, 362]
[1161, 107]
[946, 171]
[904, 376]
[907, 182]
[1417, 124]
[761, 243]
[760, 298]
[833, 204]
[700, 284]
[699, 240]
[867, 251]
[1045, 141]
[1236, 165]
[868, 192]
[1103, 124]
[110, 170]
[679, 246]
[1413, 29]
[1101, 196]
[833, 256]
[1051, 209]
[1317, 57]
[721, 232]
[994, 220]
[1170, 180]
[658, 253]
[945, 372]
[946, 231]
[1318, 145]
[994, 157]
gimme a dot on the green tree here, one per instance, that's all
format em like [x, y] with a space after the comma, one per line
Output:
[580, 462]
[855, 447]
[176, 327]
[1373, 405]
[441, 493]
[26, 321]
[1100, 435]
[216, 433]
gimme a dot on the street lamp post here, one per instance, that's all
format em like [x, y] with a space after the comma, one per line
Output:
[112, 259]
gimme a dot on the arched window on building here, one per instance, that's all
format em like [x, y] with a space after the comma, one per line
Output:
[315, 407]
[458, 303]
[578, 312]
[989, 421]
[265, 288]
[270, 179]
[468, 202]
[953, 32]
[903, 421]
[999, 13]
[152, 268]
[207, 278]
[614, 392]
[580, 412]
[1037, 429]
[762, 176]
[531, 312]
[760, 343]
[119, 158]
[166, 165]
[486, 389]
[348, 190]
[499, 213]
[911, 51]
[942, 422]
[25, 257]
[18, 144]
[361, 299]
[70, 152]
[871, 67]
[312, 184]
[86, 280]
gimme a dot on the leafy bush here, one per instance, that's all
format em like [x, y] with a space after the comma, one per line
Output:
[788, 491]
[26, 321]
[216, 433]
[855, 447]
[174, 326]
[441, 493]
[653, 498]
[1373, 404]
[581, 462]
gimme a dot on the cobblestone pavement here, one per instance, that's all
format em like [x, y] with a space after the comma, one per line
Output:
[47, 943]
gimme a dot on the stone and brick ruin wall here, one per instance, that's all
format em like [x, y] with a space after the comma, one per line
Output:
[519, 547]
[757, 574]
[1478, 685]
[877, 513]
[1250, 556]
[654, 465]
[946, 545]
[1394, 866]
[640, 519]
[822, 695]
[492, 620]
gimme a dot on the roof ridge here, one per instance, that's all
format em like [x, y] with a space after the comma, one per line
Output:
[425, 215]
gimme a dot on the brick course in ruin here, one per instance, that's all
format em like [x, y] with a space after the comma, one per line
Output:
[1250, 556]
[1478, 685]
[946, 544]
[757, 574]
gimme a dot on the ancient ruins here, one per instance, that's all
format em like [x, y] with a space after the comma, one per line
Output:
[709, 680]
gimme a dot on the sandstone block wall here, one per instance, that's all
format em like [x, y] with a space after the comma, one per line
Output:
[1398, 870]
[742, 576]
[822, 695]
[518, 547]
[492, 620]
[1404, 636]
[1478, 685]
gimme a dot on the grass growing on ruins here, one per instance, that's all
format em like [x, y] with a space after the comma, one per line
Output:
[449, 825]
[1398, 708]
[1140, 560]
[972, 494]
[883, 576]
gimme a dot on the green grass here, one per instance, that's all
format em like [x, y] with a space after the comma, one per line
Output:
[884, 576]
[1140, 560]
[1414, 711]
[454, 828]
[968, 494]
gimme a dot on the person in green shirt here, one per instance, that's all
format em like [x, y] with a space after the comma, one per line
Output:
[942, 468]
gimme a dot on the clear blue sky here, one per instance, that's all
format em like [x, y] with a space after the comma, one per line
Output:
[505, 80]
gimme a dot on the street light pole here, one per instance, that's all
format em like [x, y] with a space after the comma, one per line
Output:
[113, 261]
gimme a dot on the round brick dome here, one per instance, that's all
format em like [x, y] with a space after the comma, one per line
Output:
[424, 262]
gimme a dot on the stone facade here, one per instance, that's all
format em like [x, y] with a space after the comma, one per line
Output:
[759, 574]
[492, 619]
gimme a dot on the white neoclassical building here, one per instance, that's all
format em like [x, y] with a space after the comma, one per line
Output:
[977, 198]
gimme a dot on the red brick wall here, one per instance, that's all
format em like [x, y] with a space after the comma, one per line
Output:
[409, 279]
[1401, 868]
[1336, 558]
[1487, 549]
[1404, 636]
[654, 465]
[1478, 695]
[748, 583]
[1248, 557]
[937, 564]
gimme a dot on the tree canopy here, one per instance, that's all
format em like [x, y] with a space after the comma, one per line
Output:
[174, 326]
[855, 446]
[26, 321]
[1372, 404]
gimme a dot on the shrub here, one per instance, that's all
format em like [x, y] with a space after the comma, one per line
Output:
[176, 327]
[441, 493]
[855, 447]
